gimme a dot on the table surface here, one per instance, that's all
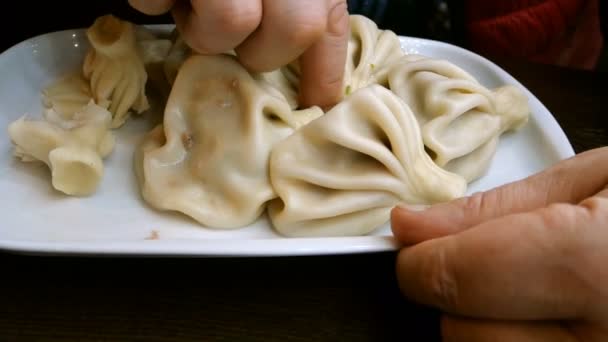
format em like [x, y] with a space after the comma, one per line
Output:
[326, 298]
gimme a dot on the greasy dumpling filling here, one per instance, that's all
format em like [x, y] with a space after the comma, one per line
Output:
[461, 120]
[115, 68]
[73, 148]
[342, 173]
[209, 159]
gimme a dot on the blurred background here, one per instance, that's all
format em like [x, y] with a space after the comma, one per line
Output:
[568, 33]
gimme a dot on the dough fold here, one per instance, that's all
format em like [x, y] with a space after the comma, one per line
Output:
[460, 119]
[342, 173]
[73, 148]
[115, 69]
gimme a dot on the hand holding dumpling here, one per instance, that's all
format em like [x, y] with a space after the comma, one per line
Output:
[523, 262]
[268, 34]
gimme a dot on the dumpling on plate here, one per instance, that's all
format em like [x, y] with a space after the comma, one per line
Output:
[72, 148]
[369, 48]
[115, 69]
[209, 158]
[461, 120]
[342, 173]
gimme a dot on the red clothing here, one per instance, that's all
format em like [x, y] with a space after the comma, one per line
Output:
[561, 32]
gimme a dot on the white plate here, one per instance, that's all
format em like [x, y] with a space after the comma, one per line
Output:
[36, 219]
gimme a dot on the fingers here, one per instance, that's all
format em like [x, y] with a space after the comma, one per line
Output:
[288, 28]
[216, 26]
[152, 7]
[268, 34]
[322, 66]
[544, 264]
[455, 329]
[569, 181]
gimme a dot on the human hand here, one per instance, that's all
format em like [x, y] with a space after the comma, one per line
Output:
[527, 261]
[268, 34]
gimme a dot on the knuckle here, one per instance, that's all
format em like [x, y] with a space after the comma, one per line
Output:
[560, 216]
[441, 281]
[329, 83]
[305, 27]
[236, 17]
[480, 203]
[596, 206]
[561, 231]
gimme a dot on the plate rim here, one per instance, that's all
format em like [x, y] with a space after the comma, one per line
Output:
[277, 247]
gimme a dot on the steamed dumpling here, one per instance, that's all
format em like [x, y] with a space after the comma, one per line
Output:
[369, 48]
[461, 120]
[72, 148]
[115, 69]
[209, 159]
[343, 173]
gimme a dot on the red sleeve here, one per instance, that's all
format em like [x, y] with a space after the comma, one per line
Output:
[563, 32]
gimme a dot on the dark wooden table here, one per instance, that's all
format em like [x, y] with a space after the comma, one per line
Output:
[327, 298]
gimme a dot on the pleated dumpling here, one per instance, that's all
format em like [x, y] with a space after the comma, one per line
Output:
[115, 69]
[73, 148]
[67, 95]
[461, 120]
[369, 48]
[209, 159]
[342, 173]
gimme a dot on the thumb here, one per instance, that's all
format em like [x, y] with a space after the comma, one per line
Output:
[569, 181]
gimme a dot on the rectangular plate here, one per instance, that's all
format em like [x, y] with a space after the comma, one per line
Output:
[36, 219]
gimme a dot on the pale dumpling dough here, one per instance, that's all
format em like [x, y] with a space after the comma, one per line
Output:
[369, 49]
[285, 80]
[341, 174]
[209, 159]
[67, 95]
[72, 148]
[115, 68]
[461, 120]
